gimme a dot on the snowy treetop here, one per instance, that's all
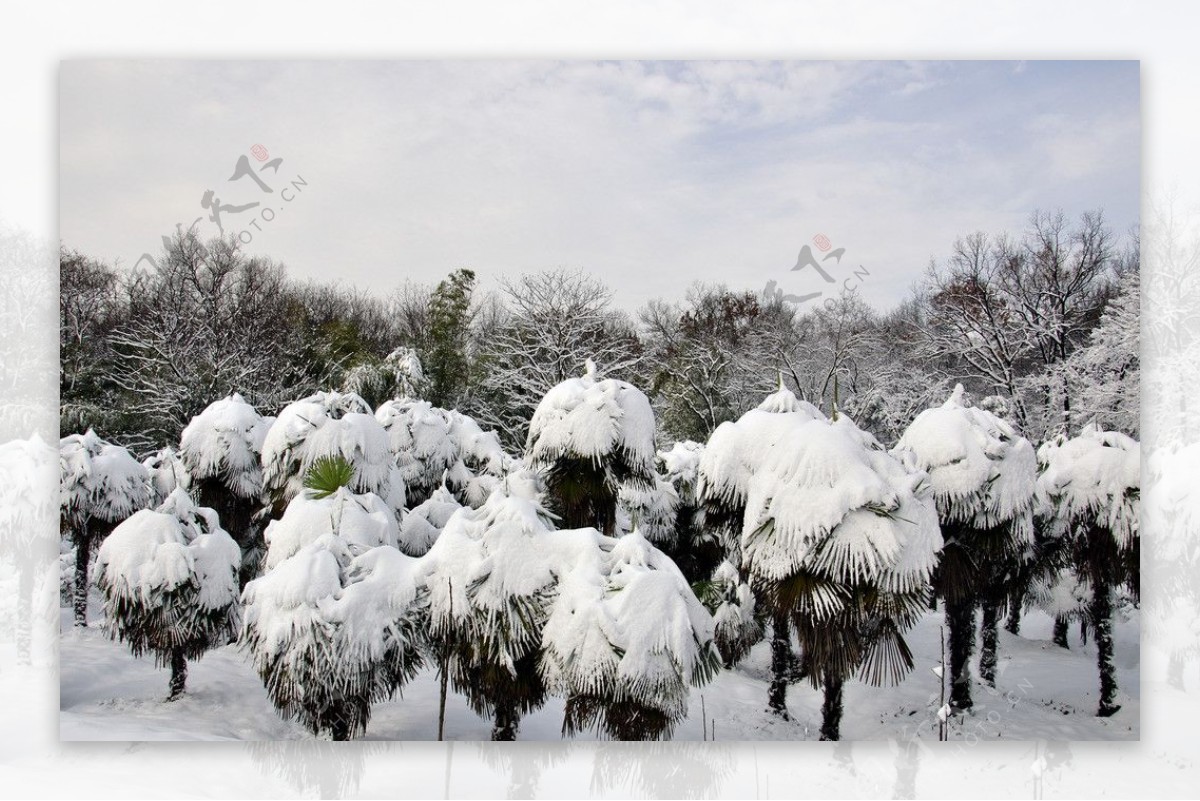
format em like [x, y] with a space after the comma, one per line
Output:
[328, 424]
[99, 479]
[826, 499]
[1093, 477]
[167, 473]
[593, 418]
[981, 471]
[433, 445]
[226, 441]
[736, 448]
[361, 521]
[681, 466]
[155, 552]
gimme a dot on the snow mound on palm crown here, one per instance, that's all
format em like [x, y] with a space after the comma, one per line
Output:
[155, 553]
[225, 441]
[681, 466]
[329, 424]
[423, 524]
[361, 521]
[982, 473]
[489, 576]
[827, 499]
[100, 480]
[1093, 477]
[625, 625]
[736, 449]
[593, 419]
[167, 473]
[652, 509]
[433, 445]
[333, 625]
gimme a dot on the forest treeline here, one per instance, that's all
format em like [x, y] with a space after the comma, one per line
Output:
[1040, 325]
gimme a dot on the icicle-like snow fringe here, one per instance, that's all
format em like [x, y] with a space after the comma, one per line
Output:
[436, 447]
[981, 472]
[329, 424]
[169, 580]
[335, 624]
[1093, 476]
[225, 441]
[100, 480]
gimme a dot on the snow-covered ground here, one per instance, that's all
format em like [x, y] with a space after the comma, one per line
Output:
[1043, 693]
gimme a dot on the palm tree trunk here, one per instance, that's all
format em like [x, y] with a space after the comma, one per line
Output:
[960, 620]
[781, 662]
[83, 555]
[1060, 632]
[1013, 623]
[504, 727]
[989, 633]
[1101, 613]
[178, 674]
[831, 707]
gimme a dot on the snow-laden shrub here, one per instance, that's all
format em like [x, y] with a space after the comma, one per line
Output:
[651, 509]
[167, 473]
[626, 637]
[1089, 492]
[102, 484]
[983, 476]
[334, 623]
[836, 533]
[169, 581]
[328, 424]
[423, 524]
[589, 437]
[221, 448]
[694, 546]
[225, 443]
[399, 375]
[435, 447]
[731, 601]
[491, 576]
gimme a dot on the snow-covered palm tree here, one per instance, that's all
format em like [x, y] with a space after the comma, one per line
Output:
[27, 512]
[731, 600]
[1089, 489]
[167, 473]
[695, 547]
[626, 638]
[491, 576]
[334, 624]
[102, 484]
[983, 476]
[435, 448]
[727, 462]
[169, 577]
[423, 524]
[334, 425]
[221, 449]
[589, 437]
[839, 535]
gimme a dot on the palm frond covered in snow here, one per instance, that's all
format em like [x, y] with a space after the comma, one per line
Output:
[328, 424]
[333, 625]
[225, 442]
[1095, 476]
[167, 473]
[100, 481]
[590, 436]
[423, 524]
[981, 471]
[434, 447]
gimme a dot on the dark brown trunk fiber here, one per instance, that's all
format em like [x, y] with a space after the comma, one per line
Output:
[83, 555]
[178, 674]
[781, 663]
[831, 708]
[989, 633]
[1013, 624]
[504, 728]
[960, 620]
[1060, 632]
[1102, 621]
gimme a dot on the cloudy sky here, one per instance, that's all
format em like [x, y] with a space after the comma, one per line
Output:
[649, 174]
